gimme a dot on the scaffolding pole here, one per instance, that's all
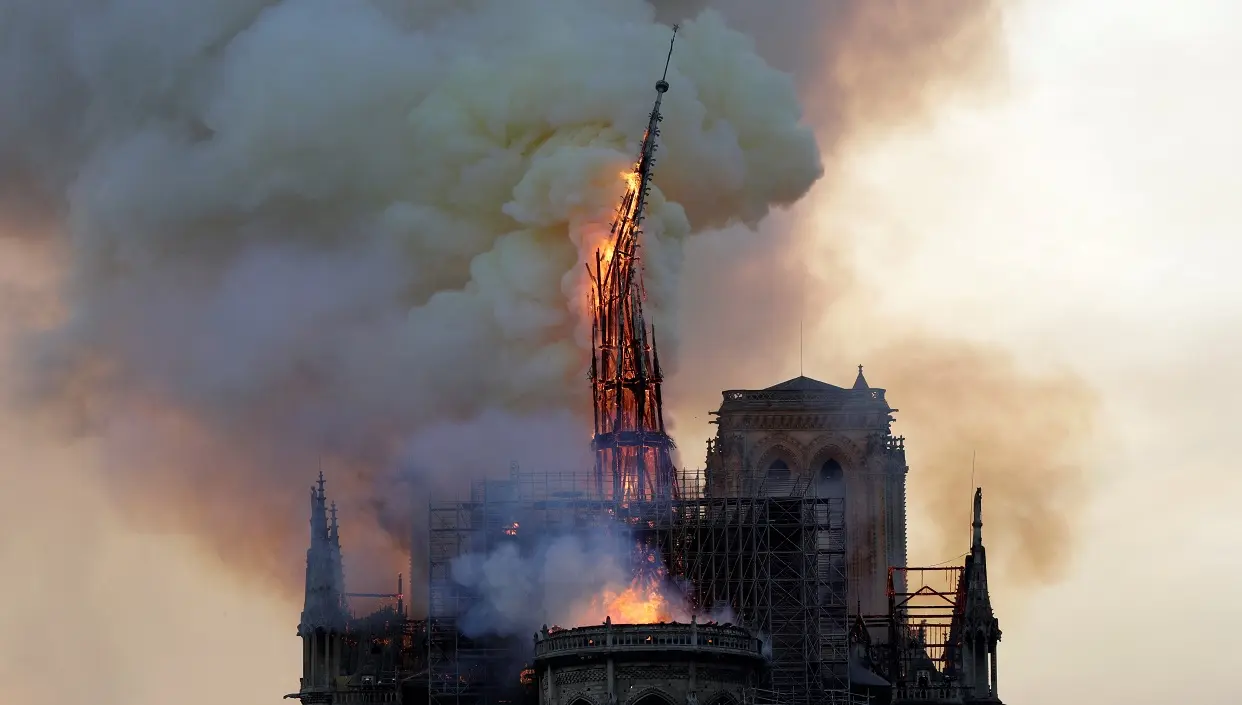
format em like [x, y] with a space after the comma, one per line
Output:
[778, 563]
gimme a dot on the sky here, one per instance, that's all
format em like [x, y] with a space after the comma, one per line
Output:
[1080, 217]
[1086, 218]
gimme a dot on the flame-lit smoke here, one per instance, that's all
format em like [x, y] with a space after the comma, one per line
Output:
[566, 580]
[348, 235]
[648, 599]
[315, 234]
[640, 603]
[633, 451]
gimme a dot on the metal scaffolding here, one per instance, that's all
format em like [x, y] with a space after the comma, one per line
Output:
[920, 653]
[777, 562]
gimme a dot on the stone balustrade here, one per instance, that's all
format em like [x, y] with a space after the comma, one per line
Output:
[785, 396]
[636, 638]
[932, 693]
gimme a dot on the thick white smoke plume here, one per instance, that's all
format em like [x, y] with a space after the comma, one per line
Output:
[559, 582]
[314, 231]
[570, 580]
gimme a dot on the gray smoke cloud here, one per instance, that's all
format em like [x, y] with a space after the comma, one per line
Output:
[564, 580]
[283, 236]
[570, 579]
[310, 233]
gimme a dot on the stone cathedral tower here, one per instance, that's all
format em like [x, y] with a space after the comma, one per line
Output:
[804, 435]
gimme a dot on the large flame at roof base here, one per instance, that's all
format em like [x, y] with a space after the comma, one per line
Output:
[643, 602]
[649, 598]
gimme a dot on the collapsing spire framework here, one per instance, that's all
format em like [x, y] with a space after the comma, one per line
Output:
[633, 459]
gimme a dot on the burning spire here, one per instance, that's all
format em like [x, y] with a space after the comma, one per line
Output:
[633, 458]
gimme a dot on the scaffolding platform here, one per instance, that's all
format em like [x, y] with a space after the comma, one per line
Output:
[777, 562]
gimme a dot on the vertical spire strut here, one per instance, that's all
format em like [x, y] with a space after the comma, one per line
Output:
[633, 459]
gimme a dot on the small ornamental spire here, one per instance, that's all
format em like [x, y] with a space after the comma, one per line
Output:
[860, 382]
[976, 539]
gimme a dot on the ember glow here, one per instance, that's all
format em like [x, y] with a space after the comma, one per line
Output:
[648, 599]
[606, 242]
[633, 452]
[632, 448]
[643, 602]
[631, 180]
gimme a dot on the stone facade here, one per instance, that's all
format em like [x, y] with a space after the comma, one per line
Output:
[805, 435]
[646, 664]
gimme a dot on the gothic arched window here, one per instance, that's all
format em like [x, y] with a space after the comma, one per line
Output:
[830, 470]
[778, 471]
[653, 699]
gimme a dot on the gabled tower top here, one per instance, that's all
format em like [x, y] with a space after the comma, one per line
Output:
[860, 382]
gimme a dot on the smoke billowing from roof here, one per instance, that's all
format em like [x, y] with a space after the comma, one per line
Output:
[286, 234]
[316, 232]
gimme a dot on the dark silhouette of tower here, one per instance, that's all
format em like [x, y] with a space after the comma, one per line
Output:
[633, 458]
[325, 613]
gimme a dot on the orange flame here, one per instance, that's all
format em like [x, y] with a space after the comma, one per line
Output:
[606, 251]
[631, 184]
[631, 180]
[598, 238]
[645, 600]
[641, 603]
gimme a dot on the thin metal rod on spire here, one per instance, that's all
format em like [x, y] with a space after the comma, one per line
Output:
[801, 320]
[668, 59]
[973, 453]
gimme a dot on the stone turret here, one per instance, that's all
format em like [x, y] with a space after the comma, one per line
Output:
[980, 629]
[324, 612]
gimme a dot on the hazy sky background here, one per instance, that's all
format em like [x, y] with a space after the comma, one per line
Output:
[1088, 217]
[1091, 219]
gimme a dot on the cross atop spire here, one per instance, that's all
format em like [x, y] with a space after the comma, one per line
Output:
[662, 84]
